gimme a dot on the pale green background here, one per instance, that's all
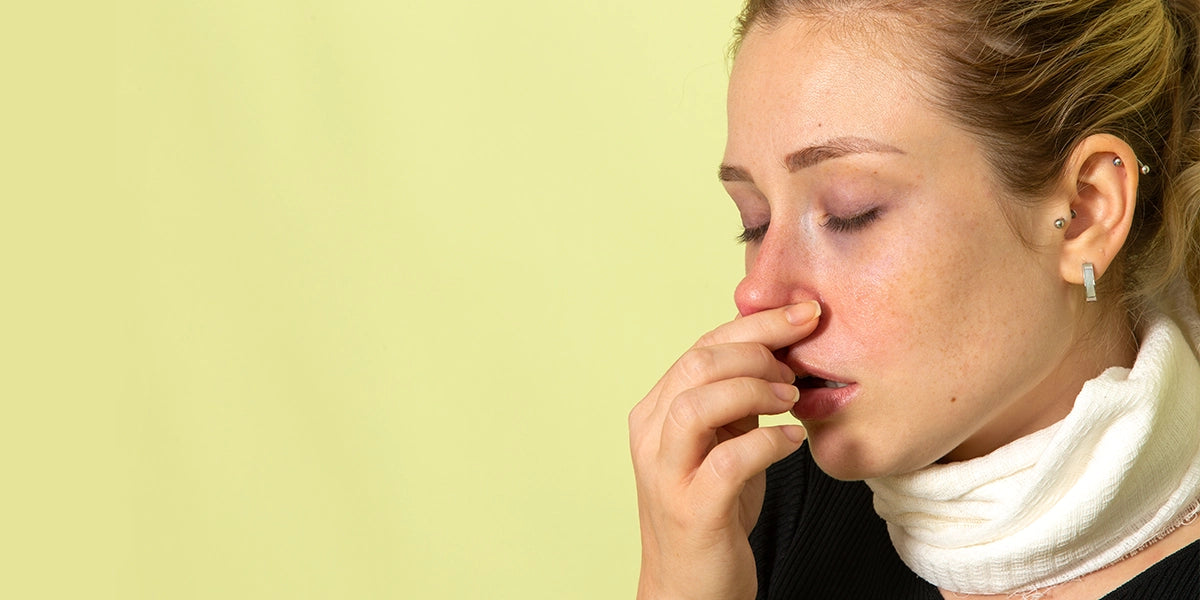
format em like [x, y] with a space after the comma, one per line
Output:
[348, 299]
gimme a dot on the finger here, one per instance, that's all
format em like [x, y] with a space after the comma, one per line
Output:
[700, 366]
[774, 328]
[727, 468]
[690, 429]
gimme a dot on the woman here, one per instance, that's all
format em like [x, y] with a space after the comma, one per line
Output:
[972, 266]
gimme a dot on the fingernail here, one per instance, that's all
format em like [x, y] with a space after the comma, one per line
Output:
[786, 392]
[794, 433]
[799, 314]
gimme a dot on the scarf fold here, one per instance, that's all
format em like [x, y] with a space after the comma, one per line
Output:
[1121, 470]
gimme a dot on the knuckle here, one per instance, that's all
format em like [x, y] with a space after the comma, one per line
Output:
[706, 340]
[636, 416]
[685, 412]
[725, 463]
[764, 353]
[697, 363]
[640, 452]
[639, 434]
[710, 338]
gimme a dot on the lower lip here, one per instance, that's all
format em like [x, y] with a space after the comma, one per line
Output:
[816, 404]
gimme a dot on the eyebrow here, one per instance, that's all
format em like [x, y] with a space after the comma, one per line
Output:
[813, 155]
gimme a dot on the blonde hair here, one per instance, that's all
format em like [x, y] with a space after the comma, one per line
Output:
[1033, 78]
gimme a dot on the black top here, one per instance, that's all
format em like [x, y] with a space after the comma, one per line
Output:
[819, 538]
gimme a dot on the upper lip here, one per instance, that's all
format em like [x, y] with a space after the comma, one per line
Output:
[803, 370]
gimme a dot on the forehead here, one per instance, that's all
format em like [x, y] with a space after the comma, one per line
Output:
[802, 80]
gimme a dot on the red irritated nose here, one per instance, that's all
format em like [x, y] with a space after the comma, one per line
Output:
[751, 298]
[758, 291]
[776, 272]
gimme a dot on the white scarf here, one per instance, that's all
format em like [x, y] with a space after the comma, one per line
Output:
[1117, 474]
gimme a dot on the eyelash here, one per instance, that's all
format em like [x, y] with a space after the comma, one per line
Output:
[753, 234]
[835, 224]
[851, 224]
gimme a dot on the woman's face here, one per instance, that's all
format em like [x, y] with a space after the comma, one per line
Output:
[953, 335]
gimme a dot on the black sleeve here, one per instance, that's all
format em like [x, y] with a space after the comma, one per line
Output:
[820, 538]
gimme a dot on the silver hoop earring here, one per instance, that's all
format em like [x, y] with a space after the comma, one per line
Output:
[1089, 281]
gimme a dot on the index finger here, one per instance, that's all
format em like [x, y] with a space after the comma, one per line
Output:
[774, 328]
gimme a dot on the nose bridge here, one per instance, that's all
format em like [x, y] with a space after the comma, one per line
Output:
[777, 274]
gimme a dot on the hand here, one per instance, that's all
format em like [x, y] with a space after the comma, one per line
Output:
[700, 457]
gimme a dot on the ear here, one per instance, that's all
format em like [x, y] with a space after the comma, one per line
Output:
[1104, 198]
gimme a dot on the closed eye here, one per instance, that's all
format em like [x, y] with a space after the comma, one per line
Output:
[753, 234]
[851, 224]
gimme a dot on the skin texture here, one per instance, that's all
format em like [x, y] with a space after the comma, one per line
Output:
[959, 336]
[955, 334]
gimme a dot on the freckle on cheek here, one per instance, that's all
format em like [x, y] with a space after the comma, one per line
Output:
[954, 399]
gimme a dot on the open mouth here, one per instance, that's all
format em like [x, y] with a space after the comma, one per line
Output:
[811, 382]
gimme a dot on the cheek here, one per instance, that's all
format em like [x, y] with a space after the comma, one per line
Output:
[875, 311]
[866, 315]
[918, 307]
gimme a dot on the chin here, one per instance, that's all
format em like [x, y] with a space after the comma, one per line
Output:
[847, 471]
[850, 458]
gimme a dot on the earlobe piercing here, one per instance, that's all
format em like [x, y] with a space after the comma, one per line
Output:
[1118, 162]
[1089, 281]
